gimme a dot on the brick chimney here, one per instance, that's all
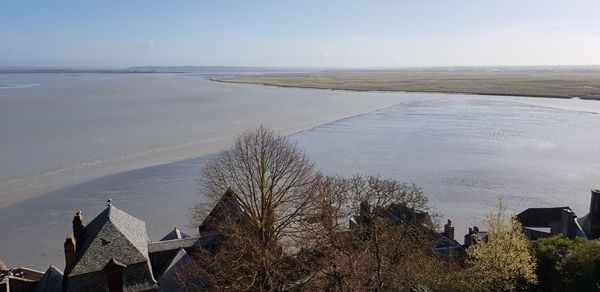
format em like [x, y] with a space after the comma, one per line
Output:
[78, 228]
[449, 230]
[595, 215]
[70, 252]
[72, 241]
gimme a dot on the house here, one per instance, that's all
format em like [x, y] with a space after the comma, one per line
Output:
[24, 280]
[475, 236]
[546, 222]
[113, 253]
[444, 243]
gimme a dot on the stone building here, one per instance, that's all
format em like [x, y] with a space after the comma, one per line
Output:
[113, 253]
[444, 243]
[475, 236]
[25, 280]
[545, 222]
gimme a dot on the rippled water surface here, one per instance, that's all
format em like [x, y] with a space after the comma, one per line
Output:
[468, 151]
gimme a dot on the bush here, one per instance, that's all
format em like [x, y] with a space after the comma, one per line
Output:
[580, 268]
[567, 264]
[504, 262]
[549, 252]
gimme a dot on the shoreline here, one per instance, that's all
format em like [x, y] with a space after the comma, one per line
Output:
[400, 91]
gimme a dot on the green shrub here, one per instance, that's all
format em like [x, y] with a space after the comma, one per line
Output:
[580, 268]
[567, 264]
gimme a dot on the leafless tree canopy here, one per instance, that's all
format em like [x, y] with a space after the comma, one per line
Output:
[295, 233]
[336, 199]
[270, 176]
[381, 192]
[390, 258]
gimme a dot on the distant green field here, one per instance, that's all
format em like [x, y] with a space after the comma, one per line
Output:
[541, 84]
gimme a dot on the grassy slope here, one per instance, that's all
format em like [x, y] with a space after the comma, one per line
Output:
[544, 84]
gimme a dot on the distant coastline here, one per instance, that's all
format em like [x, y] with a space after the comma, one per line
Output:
[208, 70]
[216, 79]
[563, 84]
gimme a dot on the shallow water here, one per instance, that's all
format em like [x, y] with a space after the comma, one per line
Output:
[72, 128]
[468, 151]
[465, 151]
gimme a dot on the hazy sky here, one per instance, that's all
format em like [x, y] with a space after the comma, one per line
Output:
[346, 33]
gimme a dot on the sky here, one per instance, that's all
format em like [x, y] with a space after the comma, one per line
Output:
[305, 33]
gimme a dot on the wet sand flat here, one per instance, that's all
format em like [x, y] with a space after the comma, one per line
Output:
[71, 128]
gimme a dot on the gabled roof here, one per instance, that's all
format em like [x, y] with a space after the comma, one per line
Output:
[51, 281]
[541, 217]
[112, 234]
[227, 208]
[173, 244]
[175, 234]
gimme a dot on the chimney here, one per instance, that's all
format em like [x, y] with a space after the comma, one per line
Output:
[365, 213]
[470, 238]
[70, 252]
[78, 228]
[595, 215]
[567, 223]
[449, 230]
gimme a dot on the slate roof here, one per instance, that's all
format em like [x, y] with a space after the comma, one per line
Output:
[172, 262]
[403, 215]
[112, 234]
[168, 280]
[51, 281]
[541, 217]
[171, 244]
[175, 234]
[227, 208]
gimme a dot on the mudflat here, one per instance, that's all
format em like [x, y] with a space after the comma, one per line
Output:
[62, 129]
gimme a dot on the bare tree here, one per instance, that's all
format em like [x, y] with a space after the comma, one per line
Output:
[270, 177]
[378, 255]
[271, 181]
[381, 192]
[295, 232]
